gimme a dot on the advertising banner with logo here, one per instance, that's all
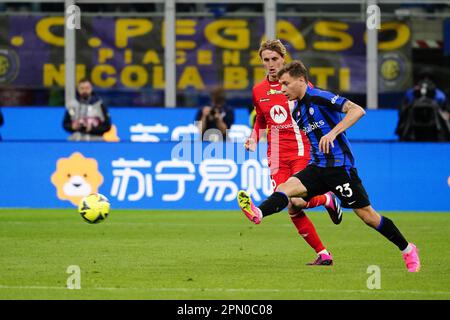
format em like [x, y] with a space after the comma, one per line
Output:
[128, 53]
[200, 176]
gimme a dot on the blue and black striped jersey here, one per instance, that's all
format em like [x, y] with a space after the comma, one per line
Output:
[317, 113]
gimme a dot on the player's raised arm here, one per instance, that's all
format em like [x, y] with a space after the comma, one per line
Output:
[353, 113]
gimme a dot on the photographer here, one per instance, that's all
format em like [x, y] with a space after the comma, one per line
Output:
[88, 118]
[424, 113]
[213, 121]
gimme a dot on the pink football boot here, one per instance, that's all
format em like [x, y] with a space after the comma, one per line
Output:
[412, 260]
[252, 212]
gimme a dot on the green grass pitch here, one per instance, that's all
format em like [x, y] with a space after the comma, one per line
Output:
[213, 255]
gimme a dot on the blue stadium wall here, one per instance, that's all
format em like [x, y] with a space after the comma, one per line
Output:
[45, 123]
[176, 175]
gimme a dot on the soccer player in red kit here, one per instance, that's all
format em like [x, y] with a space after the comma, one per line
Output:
[288, 147]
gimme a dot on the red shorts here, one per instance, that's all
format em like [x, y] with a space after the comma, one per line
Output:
[285, 169]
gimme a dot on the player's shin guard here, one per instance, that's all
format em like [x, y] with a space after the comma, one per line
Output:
[388, 229]
[307, 230]
[275, 203]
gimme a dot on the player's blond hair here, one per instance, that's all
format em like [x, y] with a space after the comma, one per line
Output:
[273, 45]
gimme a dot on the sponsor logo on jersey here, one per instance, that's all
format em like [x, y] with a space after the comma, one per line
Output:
[264, 99]
[313, 126]
[333, 100]
[278, 114]
[273, 91]
[282, 126]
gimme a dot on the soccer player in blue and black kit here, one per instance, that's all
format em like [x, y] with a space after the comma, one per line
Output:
[332, 167]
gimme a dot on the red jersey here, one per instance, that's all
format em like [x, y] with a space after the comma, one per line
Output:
[274, 112]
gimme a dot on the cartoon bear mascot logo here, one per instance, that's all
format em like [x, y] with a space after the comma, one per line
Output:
[76, 177]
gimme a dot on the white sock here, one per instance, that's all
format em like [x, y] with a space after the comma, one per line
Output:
[408, 249]
[260, 212]
[324, 251]
[327, 203]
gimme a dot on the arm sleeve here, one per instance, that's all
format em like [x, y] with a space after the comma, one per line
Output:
[260, 121]
[331, 100]
[105, 125]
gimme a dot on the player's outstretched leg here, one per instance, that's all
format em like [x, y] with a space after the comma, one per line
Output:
[387, 228]
[252, 212]
[275, 203]
[330, 202]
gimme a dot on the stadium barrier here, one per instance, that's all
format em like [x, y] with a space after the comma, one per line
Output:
[181, 175]
[161, 124]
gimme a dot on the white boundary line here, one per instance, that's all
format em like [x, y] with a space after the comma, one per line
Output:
[235, 290]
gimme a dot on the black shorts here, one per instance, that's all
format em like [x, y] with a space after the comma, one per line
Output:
[343, 182]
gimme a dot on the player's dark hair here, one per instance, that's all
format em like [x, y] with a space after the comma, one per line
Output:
[272, 45]
[295, 69]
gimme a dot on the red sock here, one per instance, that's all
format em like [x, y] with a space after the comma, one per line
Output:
[307, 230]
[316, 201]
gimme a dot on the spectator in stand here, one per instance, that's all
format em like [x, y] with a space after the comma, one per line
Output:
[88, 118]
